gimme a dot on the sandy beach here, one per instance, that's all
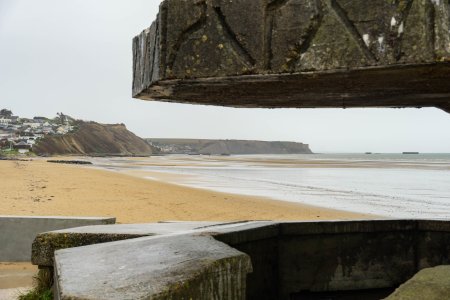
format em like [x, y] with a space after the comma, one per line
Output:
[38, 188]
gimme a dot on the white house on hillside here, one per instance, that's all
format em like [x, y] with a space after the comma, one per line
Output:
[33, 125]
[5, 121]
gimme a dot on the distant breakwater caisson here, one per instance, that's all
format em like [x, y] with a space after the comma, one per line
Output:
[70, 162]
[13, 159]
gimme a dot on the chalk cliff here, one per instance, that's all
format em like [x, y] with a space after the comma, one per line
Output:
[228, 147]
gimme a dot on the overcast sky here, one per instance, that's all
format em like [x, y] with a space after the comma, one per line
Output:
[74, 56]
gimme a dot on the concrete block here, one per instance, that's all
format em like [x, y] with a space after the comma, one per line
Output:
[45, 244]
[170, 267]
[298, 53]
[18, 232]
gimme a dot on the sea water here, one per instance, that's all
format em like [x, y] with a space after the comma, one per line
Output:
[391, 185]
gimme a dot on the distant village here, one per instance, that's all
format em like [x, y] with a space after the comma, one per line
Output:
[21, 134]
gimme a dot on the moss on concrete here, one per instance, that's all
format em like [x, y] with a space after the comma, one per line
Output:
[430, 284]
[45, 245]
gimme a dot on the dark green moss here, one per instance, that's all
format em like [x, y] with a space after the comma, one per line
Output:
[45, 245]
[35, 295]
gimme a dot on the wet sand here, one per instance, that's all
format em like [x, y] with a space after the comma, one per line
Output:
[15, 279]
[14, 275]
[38, 188]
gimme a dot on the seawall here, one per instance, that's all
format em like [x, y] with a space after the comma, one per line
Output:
[18, 232]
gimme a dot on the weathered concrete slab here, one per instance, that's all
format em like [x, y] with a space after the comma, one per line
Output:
[181, 267]
[45, 244]
[296, 53]
[18, 232]
[430, 284]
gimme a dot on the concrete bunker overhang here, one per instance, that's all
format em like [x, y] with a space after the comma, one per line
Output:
[298, 53]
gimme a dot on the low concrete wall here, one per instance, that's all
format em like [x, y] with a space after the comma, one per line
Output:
[353, 259]
[17, 233]
[290, 260]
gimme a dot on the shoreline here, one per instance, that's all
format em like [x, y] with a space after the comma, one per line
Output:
[40, 188]
[388, 188]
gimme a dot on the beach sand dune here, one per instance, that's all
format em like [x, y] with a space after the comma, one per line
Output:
[38, 188]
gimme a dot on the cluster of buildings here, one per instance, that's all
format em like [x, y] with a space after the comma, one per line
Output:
[21, 134]
[174, 149]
